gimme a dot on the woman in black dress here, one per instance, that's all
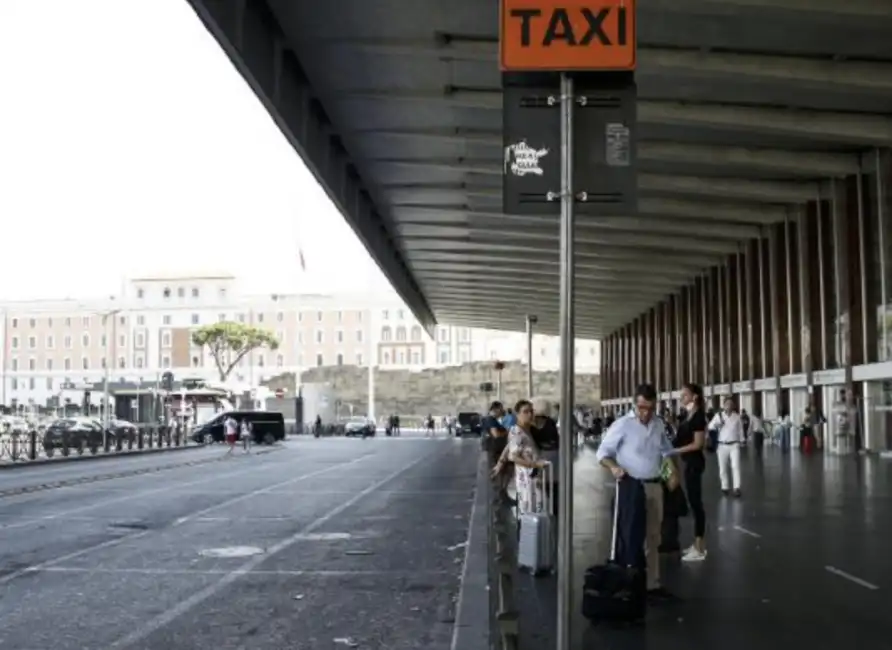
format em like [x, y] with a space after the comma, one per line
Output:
[689, 442]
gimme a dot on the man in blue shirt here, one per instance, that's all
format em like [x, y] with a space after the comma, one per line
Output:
[509, 420]
[633, 450]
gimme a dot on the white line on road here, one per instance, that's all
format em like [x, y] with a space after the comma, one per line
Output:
[265, 490]
[255, 572]
[168, 487]
[200, 596]
[851, 578]
[746, 531]
[128, 538]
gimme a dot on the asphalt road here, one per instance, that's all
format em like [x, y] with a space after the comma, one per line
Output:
[323, 544]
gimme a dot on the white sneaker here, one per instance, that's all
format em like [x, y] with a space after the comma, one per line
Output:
[690, 549]
[694, 556]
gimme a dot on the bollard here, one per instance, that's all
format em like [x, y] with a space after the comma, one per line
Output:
[106, 441]
[140, 438]
[14, 446]
[130, 437]
[151, 436]
[167, 434]
[119, 442]
[32, 446]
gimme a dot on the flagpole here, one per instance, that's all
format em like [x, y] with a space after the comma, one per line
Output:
[298, 347]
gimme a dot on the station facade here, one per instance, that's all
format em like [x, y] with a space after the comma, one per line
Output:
[800, 316]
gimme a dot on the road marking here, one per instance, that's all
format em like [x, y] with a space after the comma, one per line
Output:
[265, 490]
[142, 493]
[746, 531]
[851, 578]
[464, 571]
[202, 595]
[255, 572]
[127, 538]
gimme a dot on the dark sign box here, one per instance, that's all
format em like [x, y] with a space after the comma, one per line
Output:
[604, 144]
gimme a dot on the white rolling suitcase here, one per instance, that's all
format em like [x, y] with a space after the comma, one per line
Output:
[535, 548]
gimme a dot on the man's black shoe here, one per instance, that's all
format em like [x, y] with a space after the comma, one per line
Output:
[737, 494]
[726, 492]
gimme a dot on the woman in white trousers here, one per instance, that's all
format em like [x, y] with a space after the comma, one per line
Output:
[730, 428]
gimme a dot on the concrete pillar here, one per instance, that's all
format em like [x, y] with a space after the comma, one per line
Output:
[741, 333]
[721, 321]
[805, 261]
[659, 355]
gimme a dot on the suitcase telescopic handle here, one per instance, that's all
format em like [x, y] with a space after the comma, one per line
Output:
[615, 523]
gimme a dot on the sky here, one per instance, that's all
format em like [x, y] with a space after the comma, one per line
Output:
[130, 146]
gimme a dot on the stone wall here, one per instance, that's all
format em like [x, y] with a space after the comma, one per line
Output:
[436, 390]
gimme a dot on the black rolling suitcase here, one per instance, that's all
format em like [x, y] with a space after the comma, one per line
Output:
[612, 593]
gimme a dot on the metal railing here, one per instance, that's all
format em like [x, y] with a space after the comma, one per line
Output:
[502, 542]
[36, 445]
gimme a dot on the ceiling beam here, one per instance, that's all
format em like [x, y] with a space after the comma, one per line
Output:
[517, 268]
[763, 191]
[820, 126]
[653, 60]
[802, 163]
[601, 258]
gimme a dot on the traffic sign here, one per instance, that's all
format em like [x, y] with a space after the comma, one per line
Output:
[567, 35]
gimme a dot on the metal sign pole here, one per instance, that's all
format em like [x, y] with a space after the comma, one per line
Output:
[567, 374]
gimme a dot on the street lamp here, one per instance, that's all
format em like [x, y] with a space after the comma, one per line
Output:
[105, 419]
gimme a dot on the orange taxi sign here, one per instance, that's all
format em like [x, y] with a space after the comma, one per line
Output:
[571, 35]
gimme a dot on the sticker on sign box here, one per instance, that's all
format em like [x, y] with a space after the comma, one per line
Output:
[618, 145]
[522, 159]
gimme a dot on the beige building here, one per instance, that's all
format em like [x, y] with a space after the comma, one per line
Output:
[145, 331]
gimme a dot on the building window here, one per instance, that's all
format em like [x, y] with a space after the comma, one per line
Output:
[340, 316]
[387, 358]
[50, 342]
[85, 321]
[32, 364]
[49, 383]
[195, 292]
[67, 363]
[280, 317]
[359, 358]
[359, 316]
[416, 358]
[122, 341]
[319, 360]
[15, 365]
[300, 337]
[385, 315]
[416, 333]
[49, 322]
[68, 322]
[443, 334]
[140, 340]
[165, 339]
[280, 360]
[139, 362]
[280, 336]
[85, 363]
[222, 292]
[385, 333]
[241, 318]
[140, 293]
[85, 340]
[165, 320]
[103, 341]
[32, 384]
[181, 292]
[15, 383]
[221, 318]
[464, 334]
[318, 316]
[141, 320]
[165, 362]
[340, 359]
[32, 323]
[195, 319]
[260, 361]
[359, 336]
[319, 336]
[402, 358]
[102, 363]
[49, 364]
[15, 342]
[166, 292]
[259, 318]
[340, 336]
[399, 314]
[15, 322]
[444, 356]
[67, 342]
[195, 362]
[300, 317]
[122, 362]
[400, 333]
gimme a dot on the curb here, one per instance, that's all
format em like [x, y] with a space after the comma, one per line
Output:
[43, 462]
[472, 624]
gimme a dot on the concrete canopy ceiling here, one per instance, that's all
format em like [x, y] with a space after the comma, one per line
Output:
[745, 108]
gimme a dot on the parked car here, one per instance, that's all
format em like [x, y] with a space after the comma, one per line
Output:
[268, 426]
[469, 423]
[359, 427]
[122, 429]
[72, 433]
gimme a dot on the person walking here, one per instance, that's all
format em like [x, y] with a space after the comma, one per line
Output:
[730, 437]
[230, 426]
[633, 449]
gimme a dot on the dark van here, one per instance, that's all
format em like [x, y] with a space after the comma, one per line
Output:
[268, 426]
